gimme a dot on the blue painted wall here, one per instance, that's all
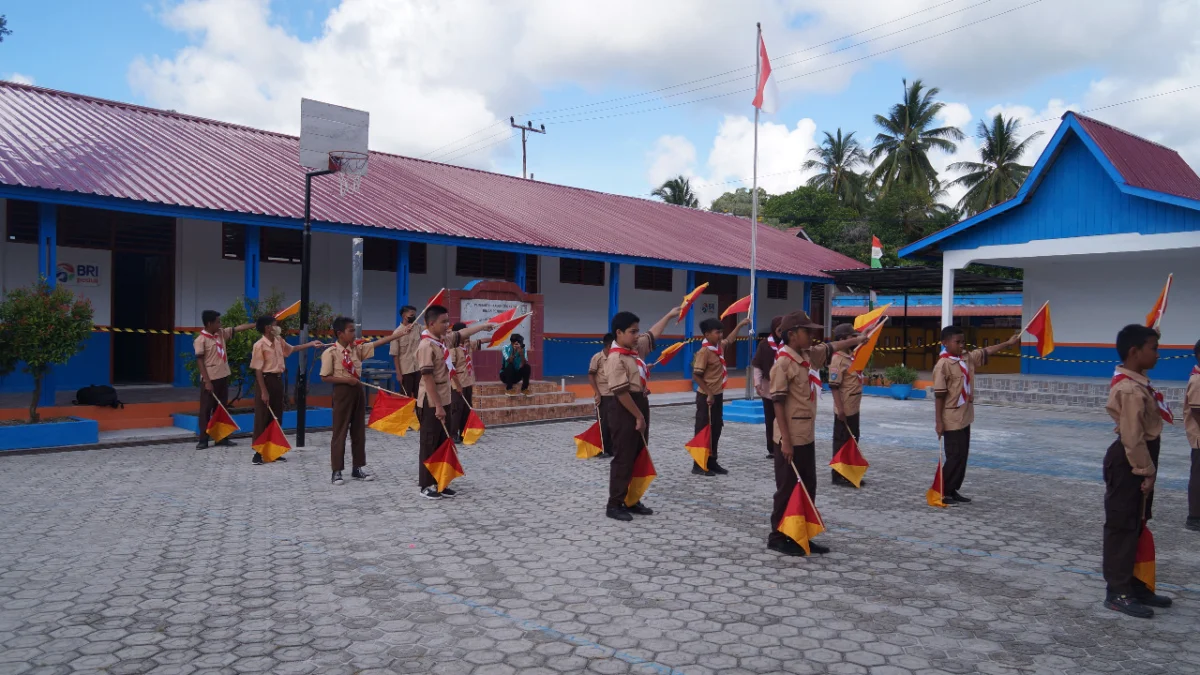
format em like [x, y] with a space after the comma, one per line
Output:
[1076, 198]
[986, 300]
[90, 366]
[566, 357]
[1167, 368]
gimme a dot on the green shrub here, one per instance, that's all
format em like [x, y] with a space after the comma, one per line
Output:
[900, 375]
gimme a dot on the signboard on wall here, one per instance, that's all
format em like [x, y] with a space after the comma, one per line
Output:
[81, 274]
[482, 310]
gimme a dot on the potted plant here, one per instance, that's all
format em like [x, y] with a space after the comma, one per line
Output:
[901, 379]
[42, 327]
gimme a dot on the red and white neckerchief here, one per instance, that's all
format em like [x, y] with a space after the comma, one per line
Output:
[1164, 411]
[642, 370]
[348, 363]
[775, 346]
[218, 344]
[720, 355]
[965, 397]
[814, 376]
[446, 356]
[467, 360]
[1195, 370]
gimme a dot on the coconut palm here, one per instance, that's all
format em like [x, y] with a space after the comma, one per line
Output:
[998, 175]
[835, 160]
[907, 137]
[678, 191]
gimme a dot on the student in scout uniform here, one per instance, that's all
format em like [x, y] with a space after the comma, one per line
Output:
[463, 380]
[1130, 465]
[435, 363]
[341, 365]
[213, 364]
[710, 374]
[404, 353]
[795, 387]
[846, 386]
[598, 378]
[763, 361]
[627, 375]
[267, 362]
[1191, 423]
[954, 406]
[514, 366]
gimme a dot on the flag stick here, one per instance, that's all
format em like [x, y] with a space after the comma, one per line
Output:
[464, 399]
[386, 391]
[848, 430]
[448, 437]
[1026, 328]
[1145, 498]
[710, 430]
[421, 316]
[219, 404]
[797, 471]
[754, 212]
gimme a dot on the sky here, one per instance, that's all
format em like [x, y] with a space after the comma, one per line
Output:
[631, 92]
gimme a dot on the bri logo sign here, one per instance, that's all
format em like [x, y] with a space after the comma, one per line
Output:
[83, 274]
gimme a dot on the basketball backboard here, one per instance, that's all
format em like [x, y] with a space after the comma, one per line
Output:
[326, 128]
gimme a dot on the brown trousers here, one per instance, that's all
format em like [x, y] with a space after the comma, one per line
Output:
[958, 446]
[805, 458]
[769, 416]
[718, 419]
[460, 408]
[1123, 503]
[840, 435]
[1194, 486]
[432, 437]
[349, 416]
[627, 442]
[208, 404]
[409, 384]
[262, 416]
[606, 404]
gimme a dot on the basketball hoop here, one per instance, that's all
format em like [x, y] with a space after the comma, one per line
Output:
[350, 168]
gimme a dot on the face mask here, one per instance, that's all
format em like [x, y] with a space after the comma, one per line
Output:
[409, 319]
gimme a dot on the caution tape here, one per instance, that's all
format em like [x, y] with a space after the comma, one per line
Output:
[142, 331]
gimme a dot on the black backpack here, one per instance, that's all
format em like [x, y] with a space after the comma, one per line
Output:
[98, 394]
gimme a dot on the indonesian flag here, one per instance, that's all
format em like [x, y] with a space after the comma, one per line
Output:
[505, 329]
[801, 521]
[668, 354]
[738, 307]
[1143, 559]
[867, 321]
[849, 462]
[271, 443]
[1154, 318]
[473, 429]
[936, 493]
[701, 446]
[688, 300]
[766, 96]
[643, 475]
[288, 311]
[1041, 330]
[220, 424]
[393, 414]
[590, 443]
[876, 253]
[443, 465]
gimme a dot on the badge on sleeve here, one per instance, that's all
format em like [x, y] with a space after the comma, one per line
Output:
[833, 376]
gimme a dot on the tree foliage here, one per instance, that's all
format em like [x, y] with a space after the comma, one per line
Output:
[678, 191]
[907, 136]
[41, 327]
[836, 161]
[738, 202]
[4, 29]
[998, 174]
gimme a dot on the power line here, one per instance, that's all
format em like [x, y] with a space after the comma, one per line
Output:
[467, 150]
[455, 142]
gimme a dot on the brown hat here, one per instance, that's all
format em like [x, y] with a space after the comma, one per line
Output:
[844, 331]
[796, 320]
[775, 324]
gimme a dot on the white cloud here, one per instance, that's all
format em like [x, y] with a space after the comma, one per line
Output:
[20, 79]
[672, 156]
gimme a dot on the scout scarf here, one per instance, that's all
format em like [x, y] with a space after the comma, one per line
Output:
[1195, 370]
[425, 335]
[218, 344]
[724, 370]
[640, 363]
[814, 376]
[348, 363]
[467, 360]
[775, 346]
[1164, 411]
[965, 397]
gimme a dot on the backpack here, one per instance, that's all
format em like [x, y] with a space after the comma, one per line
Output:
[101, 395]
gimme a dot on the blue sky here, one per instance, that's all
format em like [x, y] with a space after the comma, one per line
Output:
[432, 72]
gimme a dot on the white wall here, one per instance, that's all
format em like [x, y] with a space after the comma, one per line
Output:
[203, 279]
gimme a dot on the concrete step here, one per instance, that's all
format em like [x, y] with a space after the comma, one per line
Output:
[504, 401]
[1057, 394]
[497, 388]
[537, 413]
[745, 412]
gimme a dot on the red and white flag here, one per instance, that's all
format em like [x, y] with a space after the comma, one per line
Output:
[766, 97]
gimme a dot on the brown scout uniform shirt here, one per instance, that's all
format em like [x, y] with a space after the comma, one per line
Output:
[790, 385]
[1133, 408]
[269, 357]
[1191, 401]
[596, 367]
[848, 382]
[707, 365]
[948, 379]
[466, 376]
[331, 359]
[621, 371]
[216, 364]
[406, 349]
[431, 361]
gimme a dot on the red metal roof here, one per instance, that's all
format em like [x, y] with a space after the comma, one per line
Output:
[1143, 163]
[62, 141]
[936, 311]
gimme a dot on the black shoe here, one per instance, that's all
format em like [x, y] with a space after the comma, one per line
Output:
[717, 469]
[817, 548]
[361, 473]
[337, 478]
[618, 514]
[640, 509]
[431, 492]
[281, 458]
[606, 455]
[458, 440]
[202, 445]
[1148, 598]
[256, 459]
[701, 472]
[955, 497]
[448, 493]
[1192, 524]
[226, 443]
[770, 455]
[1127, 604]
[787, 547]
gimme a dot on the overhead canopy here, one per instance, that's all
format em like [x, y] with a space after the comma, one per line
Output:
[919, 279]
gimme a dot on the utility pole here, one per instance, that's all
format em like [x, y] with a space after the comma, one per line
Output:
[528, 127]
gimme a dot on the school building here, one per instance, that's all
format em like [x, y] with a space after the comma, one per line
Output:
[1100, 222]
[155, 216]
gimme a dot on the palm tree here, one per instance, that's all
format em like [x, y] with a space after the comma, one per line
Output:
[678, 191]
[997, 176]
[907, 138]
[836, 160]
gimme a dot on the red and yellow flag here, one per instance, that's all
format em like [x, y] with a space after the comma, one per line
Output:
[443, 464]
[1143, 559]
[700, 447]
[1154, 318]
[863, 352]
[473, 429]
[271, 443]
[800, 520]
[1042, 330]
[738, 307]
[220, 425]
[505, 329]
[643, 476]
[688, 300]
[867, 321]
[668, 354]
[590, 443]
[288, 311]
[849, 462]
[393, 414]
[503, 316]
[936, 492]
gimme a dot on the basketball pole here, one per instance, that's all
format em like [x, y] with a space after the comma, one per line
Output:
[305, 274]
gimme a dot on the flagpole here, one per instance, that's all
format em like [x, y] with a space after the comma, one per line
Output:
[754, 223]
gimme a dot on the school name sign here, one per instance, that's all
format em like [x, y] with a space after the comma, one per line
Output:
[82, 274]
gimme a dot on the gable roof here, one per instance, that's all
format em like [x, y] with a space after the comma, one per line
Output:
[1138, 167]
[69, 143]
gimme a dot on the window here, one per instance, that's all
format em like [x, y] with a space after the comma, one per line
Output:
[281, 246]
[379, 255]
[581, 272]
[233, 241]
[652, 278]
[777, 289]
[476, 263]
[22, 219]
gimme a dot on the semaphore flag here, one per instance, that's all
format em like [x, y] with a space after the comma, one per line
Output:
[668, 354]
[801, 521]
[505, 329]
[590, 443]
[738, 307]
[849, 462]
[503, 316]
[1154, 318]
[936, 493]
[766, 95]
[688, 300]
[868, 320]
[1041, 330]
[443, 464]
[1143, 559]
[288, 311]
[271, 443]
[700, 447]
[862, 353]
[438, 298]
[473, 429]
[643, 476]
[220, 424]
[393, 414]
[876, 253]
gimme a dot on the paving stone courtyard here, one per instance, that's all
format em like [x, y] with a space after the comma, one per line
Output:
[164, 559]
